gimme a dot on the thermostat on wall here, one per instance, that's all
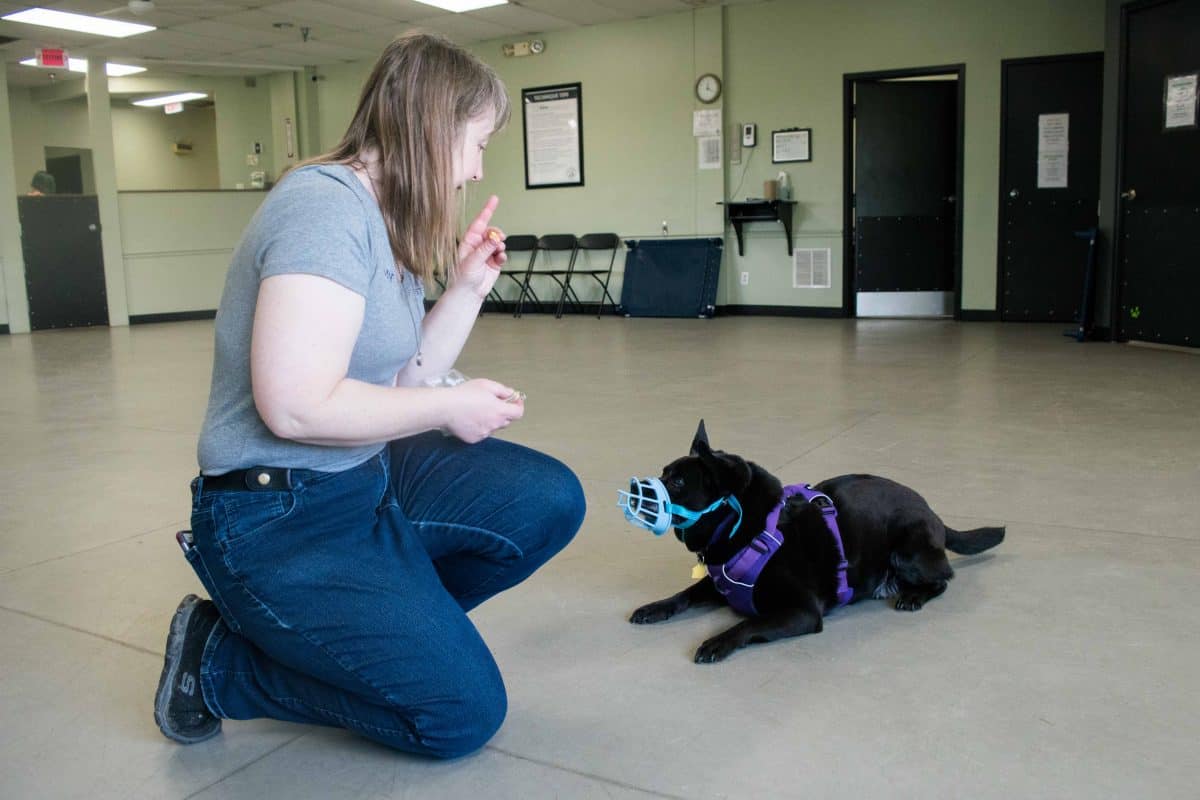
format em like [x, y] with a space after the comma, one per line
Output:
[749, 134]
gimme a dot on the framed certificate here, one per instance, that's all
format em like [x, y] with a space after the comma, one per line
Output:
[552, 118]
[791, 144]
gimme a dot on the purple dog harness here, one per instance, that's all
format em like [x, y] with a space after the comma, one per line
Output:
[735, 578]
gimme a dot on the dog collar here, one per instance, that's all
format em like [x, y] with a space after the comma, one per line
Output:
[736, 578]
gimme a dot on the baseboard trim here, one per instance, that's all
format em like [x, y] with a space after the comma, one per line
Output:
[979, 315]
[173, 316]
[1170, 348]
[510, 306]
[779, 311]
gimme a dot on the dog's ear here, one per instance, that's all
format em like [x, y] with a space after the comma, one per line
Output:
[701, 438]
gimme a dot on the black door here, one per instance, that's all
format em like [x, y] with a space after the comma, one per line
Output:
[1048, 105]
[68, 174]
[1158, 255]
[905, 166]
[64, 264]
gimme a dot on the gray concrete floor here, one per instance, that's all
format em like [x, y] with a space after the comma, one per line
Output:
[1060, 665]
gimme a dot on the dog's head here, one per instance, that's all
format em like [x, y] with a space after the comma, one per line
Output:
[701, 478]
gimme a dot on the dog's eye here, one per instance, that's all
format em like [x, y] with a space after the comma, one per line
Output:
[675, 483]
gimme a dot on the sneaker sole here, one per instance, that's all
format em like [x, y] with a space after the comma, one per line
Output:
[171, 661]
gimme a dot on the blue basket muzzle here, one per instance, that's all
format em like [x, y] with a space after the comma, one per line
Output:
[648, 505]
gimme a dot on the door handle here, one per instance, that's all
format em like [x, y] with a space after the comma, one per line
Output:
[92, 227]
[948, 199]
[1129, 195]
[1013, 193]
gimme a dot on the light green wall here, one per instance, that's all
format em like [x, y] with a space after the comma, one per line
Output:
[784, 68]
[243, 118]
[177, 245]
[283, 112]
[142, 140]
[222, 136]
[639, 154]
[783, 64]
[640, 160]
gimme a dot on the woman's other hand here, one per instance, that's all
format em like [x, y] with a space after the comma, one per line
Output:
[480, 407]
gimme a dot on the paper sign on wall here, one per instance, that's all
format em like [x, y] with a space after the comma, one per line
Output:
[709, 152]
[706, 122]
[1180, 100]
[1053, 150]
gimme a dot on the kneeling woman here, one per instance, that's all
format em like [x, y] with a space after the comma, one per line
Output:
[340, 532]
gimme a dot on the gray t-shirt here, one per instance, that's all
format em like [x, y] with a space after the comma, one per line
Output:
[319, 220]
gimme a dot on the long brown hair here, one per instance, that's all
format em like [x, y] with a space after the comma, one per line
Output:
[413, 111]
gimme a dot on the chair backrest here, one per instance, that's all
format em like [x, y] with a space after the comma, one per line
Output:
[557, 241]
[599, 241]
[520, 242]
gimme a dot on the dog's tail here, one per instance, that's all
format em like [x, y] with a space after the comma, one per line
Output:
[968, 543]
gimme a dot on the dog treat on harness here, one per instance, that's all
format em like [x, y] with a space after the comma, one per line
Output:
[699, 571]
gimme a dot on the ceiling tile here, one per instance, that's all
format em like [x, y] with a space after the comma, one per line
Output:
[399, 10]
[326, 14]
[522, 20]
[464, 28]
[233, 33]
[280, 56]
[580, 12]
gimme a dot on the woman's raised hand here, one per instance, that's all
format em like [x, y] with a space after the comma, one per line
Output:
[481, 252]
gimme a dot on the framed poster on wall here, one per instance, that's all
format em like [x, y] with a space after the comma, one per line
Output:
[791, 144]
[552, 119]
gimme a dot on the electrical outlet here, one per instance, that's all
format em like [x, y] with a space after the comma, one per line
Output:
[745, 279]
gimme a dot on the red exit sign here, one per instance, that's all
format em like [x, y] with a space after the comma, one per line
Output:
[52, 57]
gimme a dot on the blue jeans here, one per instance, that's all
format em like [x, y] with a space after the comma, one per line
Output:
[343, 600]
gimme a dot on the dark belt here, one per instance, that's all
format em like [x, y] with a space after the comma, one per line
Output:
[255, 479]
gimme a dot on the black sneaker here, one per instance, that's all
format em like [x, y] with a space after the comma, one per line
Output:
[179, 707]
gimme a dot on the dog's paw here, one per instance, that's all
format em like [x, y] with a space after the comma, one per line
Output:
[715, 649]
[652, 612]
[909, 602]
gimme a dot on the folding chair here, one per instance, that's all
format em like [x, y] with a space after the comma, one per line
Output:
[550, 243]
[515, 271]
[591, 241]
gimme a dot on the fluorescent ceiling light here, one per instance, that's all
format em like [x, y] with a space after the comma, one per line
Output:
[80, 65]
[100, 26]
[170, 98]
[458, 6]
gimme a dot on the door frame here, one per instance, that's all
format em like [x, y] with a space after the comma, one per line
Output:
[849, 300]
[1097, 55]
[1116, 318]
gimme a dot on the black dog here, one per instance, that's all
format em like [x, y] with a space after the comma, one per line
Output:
[894, 546]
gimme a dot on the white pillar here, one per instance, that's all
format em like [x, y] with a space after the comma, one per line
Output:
[11, 257]
[105, 162]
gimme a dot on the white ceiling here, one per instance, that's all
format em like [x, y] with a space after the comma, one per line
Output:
[240, 37]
